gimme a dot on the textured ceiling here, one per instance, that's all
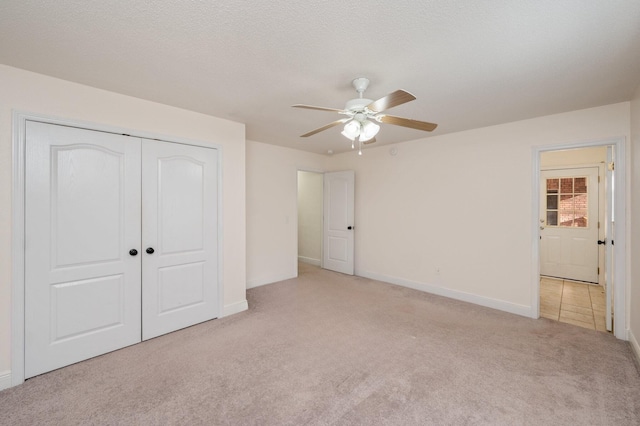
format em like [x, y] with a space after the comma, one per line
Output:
[469, 63]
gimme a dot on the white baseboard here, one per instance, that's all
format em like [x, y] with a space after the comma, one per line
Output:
[5, 380]
[268, 280]
[309, 260]
[501, 305]
[634, 345]
[234, 308]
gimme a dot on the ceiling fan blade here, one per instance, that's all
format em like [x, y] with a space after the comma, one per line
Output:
[407, 122]
[372, 140]
[394, 99]
[328, 126]
[316, 108]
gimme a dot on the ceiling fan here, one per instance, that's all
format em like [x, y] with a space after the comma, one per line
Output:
[362, 115]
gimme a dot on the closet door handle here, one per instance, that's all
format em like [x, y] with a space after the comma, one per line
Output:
[133, 252]
[150, 250]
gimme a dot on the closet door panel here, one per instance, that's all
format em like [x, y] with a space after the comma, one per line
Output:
[180, 226]
[82, 288]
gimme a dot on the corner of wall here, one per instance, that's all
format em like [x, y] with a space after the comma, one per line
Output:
[270, 279]
[633, 279]
[5, 380]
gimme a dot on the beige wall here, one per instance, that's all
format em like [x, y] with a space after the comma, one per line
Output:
[634, 300]
[310, 200]
[34, 93]
[461, 204]
[272, 246]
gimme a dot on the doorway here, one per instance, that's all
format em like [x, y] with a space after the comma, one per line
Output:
[326, 204]
[572, 206]
[574, 235]
[310, 207]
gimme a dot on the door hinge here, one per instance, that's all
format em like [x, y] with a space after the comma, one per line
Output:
[611, 166]
[598, 179]
[598, 270]
[598, 225]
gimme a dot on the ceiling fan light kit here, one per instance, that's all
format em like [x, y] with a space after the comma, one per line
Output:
[362, 113]
[351, 130]
[369, 130]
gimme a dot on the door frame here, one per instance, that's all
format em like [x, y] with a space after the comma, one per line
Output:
[620, 227]
[19, 122]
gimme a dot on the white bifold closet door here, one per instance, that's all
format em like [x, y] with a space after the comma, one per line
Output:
[120, 242]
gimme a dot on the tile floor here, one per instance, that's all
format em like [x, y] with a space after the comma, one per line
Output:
[573, 302]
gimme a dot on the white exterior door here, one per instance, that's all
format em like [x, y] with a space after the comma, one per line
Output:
[82, 295]
[339, 199]
[179, 216]
[569, 224]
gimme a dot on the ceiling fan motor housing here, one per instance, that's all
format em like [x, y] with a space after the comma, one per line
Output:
[357, 105]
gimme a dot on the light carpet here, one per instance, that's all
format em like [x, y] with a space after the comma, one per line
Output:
[329, 349]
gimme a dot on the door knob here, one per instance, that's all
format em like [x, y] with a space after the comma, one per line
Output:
[600, 242]
[150, 250]
[133, 252]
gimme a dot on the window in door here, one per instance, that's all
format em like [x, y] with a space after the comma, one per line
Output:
[567, 202]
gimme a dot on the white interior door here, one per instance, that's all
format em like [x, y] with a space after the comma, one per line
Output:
[82, 203]
[339, 199]
[569, 224]
[179, 216]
